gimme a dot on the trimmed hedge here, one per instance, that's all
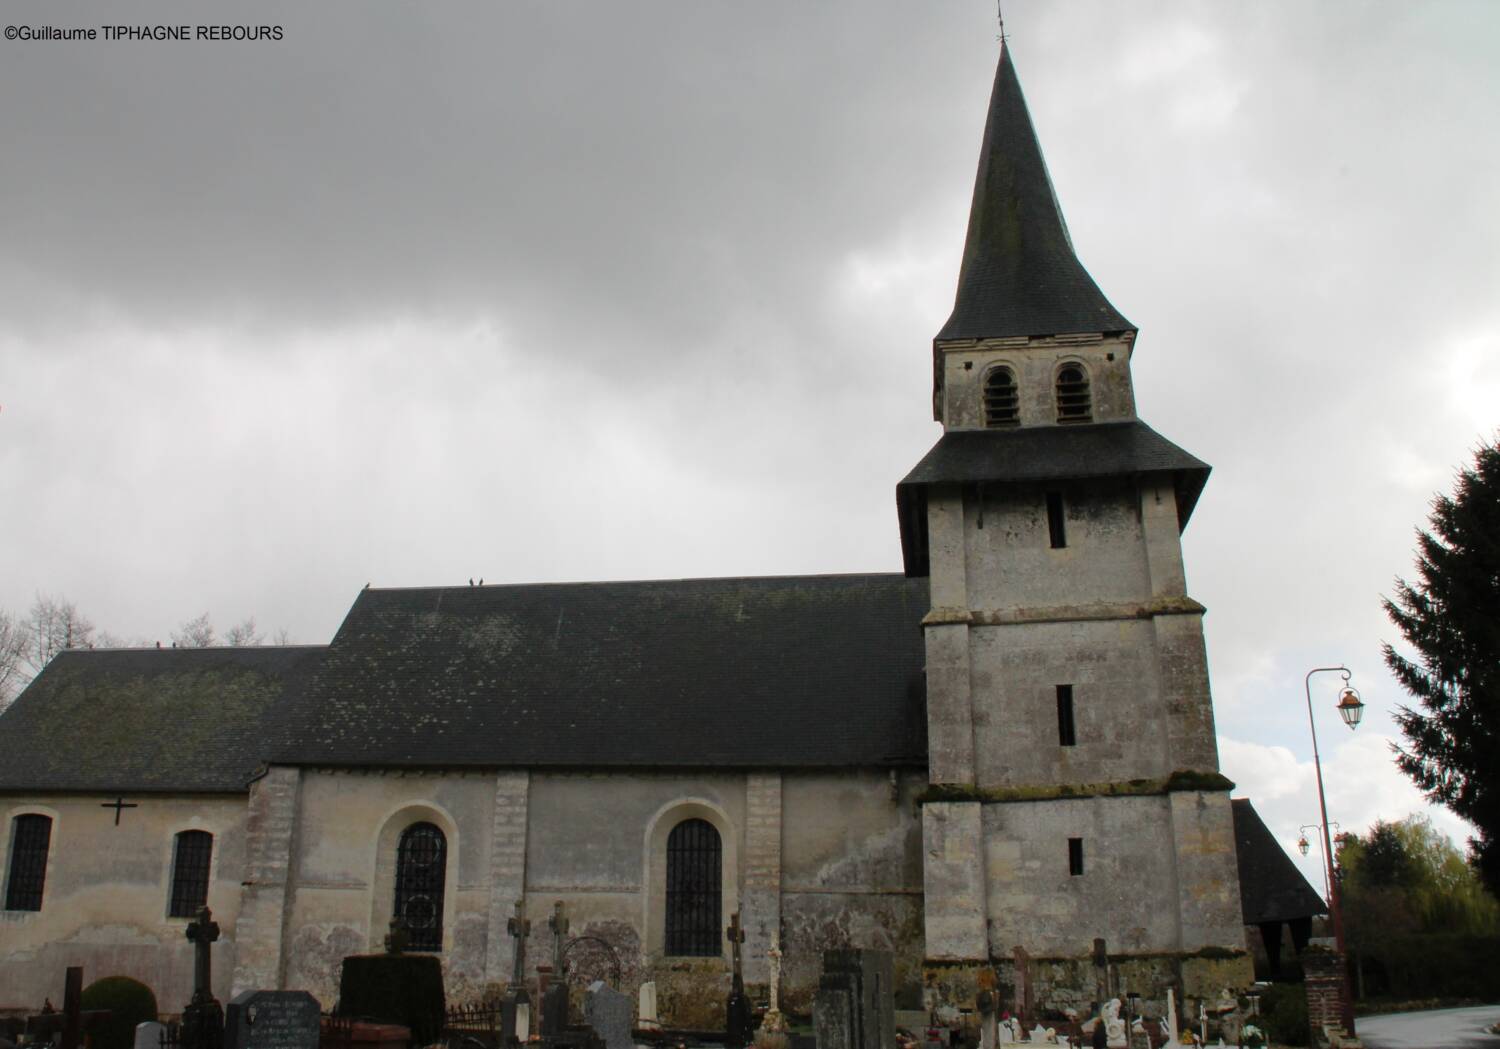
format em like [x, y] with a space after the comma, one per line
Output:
[404, 989]
[129, 1002]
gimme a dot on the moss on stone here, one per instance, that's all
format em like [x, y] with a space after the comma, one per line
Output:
[1181, 780]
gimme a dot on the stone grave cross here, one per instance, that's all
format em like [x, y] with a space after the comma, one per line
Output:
[202, 932]
[203, 1019]
[735, 934]
[737, 1015]
[774, 1022]
[520, 928]
[558, 923]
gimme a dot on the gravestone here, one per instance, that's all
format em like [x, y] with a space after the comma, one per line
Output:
[555, 998]
[203, 1019]
[515, 1010]
[609, 1013]
[738, 1017]
[272, 1020]
[856, 992]
[148, 1035]
[834, 1025]
[648, 1020]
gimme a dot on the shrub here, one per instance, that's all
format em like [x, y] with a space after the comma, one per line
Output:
[129, 1002]
[1283, 1013]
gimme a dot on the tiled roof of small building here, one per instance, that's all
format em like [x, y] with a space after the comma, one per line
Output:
[1020, 275]
[150, 720]
[1271, 886]
[1039, 454]
[801, 671]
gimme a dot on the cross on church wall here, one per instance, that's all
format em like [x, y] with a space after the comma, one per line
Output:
[117, 805]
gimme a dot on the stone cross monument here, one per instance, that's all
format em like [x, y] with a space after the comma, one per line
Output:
[737, 1015]
[203, 1019]
[774, 1022]
[515, 1011]
[555, 997]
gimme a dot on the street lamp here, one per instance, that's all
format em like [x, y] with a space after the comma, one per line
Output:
[1350, 709]
[1303, 844]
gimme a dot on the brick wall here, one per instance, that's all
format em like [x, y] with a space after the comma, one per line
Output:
[1324, 983]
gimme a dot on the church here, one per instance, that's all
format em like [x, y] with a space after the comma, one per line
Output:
[1000, 756]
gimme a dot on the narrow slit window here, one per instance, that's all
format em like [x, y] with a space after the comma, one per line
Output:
[1075, 403]
[1075, 856]
[30, 838]
[1056, 530]
[190, 864]
[1066, 735]
[1001, 399]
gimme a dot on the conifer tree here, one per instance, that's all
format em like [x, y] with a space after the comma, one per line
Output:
[1450, 616]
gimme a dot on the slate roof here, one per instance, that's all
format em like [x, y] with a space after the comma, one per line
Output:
[150, 720]
[1020, 275]
[1036, 454]
[801, 671]
[1271, 886]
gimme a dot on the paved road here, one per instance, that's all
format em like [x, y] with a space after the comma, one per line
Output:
[1438, 1029]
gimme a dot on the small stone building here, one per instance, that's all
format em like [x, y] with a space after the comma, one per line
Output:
[1008, 744]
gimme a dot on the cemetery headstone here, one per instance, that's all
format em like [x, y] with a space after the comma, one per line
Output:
[738, 1018]
[272, 1020]
[203, 1019]
[774, 1022]
[868, 977]
[515, 1011]
[648, 1020]
[987, 1003]
[148, 1035]
[1025, 995]
[555, 997]
[609, 1013]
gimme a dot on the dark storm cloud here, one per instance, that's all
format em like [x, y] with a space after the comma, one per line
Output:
[562, 291]
[606, 173]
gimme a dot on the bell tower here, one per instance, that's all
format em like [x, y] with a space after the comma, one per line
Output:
[1074, 787]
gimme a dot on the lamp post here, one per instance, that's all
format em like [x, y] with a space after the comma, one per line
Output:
[1303, 844]
[1350, 709]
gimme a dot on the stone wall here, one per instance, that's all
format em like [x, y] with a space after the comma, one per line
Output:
[1034, 362]
[107, 893]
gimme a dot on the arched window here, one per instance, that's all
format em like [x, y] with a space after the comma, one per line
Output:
[1001, 400]
[30, 837]
[1074, 402]
[694, 873]
[421, 867]
[190, 863]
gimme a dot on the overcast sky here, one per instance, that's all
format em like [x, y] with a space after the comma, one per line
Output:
[561, 291]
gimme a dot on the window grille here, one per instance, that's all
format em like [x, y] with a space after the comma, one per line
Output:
[1074, 401]
[1066, 733]
[694, 866]
[1001, 400]
[30, 837]
[421, 873]
[190, 865]
[1075, 856]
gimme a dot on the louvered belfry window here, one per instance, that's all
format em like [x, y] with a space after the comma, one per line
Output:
[421, 871]
[1075, 404]
[694, 866]
[31, 835]
[190, 863]
[1001, 401]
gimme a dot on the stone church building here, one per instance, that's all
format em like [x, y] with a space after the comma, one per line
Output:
[1007, 744]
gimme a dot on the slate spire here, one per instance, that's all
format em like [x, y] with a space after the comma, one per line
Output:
[1019, 274]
